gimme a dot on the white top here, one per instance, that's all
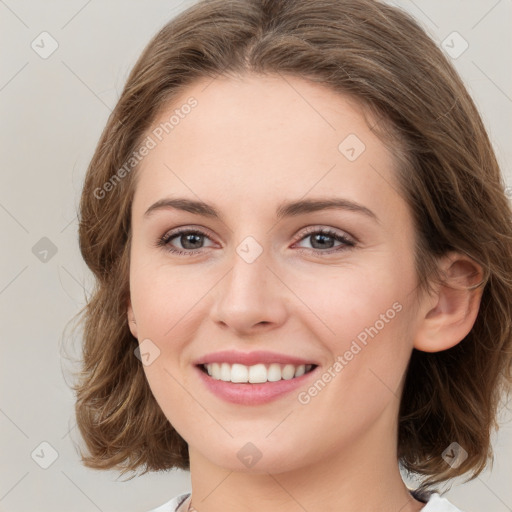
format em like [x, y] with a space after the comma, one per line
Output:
[435, 504]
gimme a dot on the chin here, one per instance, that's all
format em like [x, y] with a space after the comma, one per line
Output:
[258, 457]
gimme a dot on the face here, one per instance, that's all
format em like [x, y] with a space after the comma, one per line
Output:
[314, 305]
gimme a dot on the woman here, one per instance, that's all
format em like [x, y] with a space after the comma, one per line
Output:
[303, 254]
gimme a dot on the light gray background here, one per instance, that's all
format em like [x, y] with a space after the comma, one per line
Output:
[53, 111]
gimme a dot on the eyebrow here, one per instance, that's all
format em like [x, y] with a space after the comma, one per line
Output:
[286, 209]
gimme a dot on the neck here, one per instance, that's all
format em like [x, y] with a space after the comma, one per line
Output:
[361, 476]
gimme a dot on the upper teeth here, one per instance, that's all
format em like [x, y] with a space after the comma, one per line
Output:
[255, 374]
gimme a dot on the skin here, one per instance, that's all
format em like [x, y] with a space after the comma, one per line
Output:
[251, 143]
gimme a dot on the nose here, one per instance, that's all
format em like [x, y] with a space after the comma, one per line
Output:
[251, 297]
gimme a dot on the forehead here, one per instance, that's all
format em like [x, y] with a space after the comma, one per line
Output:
[258, 138]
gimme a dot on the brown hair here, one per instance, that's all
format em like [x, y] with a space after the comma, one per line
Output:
[448, 174]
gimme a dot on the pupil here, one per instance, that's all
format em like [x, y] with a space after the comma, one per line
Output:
[323, 237]
[187, 240]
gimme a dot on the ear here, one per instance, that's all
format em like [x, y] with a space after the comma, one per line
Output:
[131, 319]
[448, 314]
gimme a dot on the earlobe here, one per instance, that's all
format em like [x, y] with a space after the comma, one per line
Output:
[450, 313]
[131, 320]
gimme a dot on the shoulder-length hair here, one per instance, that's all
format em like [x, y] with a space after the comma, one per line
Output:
[448, 174]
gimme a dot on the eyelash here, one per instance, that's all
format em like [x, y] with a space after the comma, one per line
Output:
[349, 243]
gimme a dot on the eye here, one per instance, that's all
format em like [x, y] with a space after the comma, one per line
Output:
[190, 240]
[324, 238]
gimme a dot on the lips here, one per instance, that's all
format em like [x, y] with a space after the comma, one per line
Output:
[252, 378]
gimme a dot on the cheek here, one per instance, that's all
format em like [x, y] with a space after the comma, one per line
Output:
[349, 301]
[162, 296]
[365, 324]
